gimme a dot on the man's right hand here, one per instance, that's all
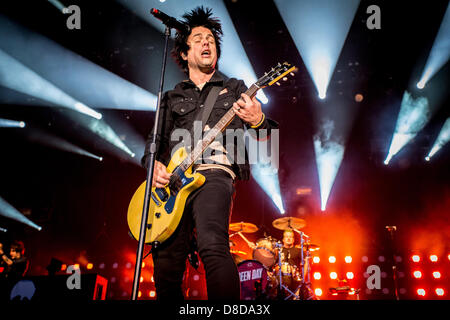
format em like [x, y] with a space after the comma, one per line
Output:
[160, 175]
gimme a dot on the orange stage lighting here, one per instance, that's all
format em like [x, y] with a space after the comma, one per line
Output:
[433, 258]
[421, 292]
[152, 294]
[415, 258]
[440, 292]
[317, 275]
[89, 266]
[417, 274]
[348, 259]
[350, 275]
[316, 259]
[333, 275]
[332, 259]
[318, 292]
[436, 274]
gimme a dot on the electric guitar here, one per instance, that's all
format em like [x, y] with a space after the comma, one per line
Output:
[167, 204]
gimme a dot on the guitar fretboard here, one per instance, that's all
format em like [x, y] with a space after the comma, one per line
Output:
[213, 132]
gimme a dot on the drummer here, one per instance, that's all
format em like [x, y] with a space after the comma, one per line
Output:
[289, 253]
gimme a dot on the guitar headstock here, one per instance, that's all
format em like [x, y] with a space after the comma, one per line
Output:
[275, 74]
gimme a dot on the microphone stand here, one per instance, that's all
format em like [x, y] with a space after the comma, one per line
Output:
[148, 187]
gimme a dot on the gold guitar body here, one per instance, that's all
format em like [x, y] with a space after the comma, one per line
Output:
[164, 214]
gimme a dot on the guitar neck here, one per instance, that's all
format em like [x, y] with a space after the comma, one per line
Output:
[212, 133]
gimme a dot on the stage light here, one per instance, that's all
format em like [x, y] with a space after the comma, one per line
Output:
[348, 259]
[441, 140]
[152, 279]
[333, 275]
[6, 123]
[350, 275]
[318, 292]
[448, 257]
[10, 212]
[317, 275]
[329, 155]
[76, 266]
[267, 178]
[316, 259]
[421, 292]
[415, 258]
[417, 274]
[440, 51]
[433, 258]
[318, 33]
[139, 294]
[233, 62]
[436, 275]
[16, 76]
[141, 279]
[152, 294]
[332, 259]
[63, 267]
[440, 292]
[413, 115]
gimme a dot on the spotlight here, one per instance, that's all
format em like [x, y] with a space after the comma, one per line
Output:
[421, 84]
[441, 140]
[415, 258]
[316, 259]
[89, 266]
[350, 275]
[333, 275]
[318, 292]
[348, 259]
[421, 292]
[433, 258]
[152, 294]
[332, 259]
[317, 275]
[440, 292]
[417, 274]
[436, 275]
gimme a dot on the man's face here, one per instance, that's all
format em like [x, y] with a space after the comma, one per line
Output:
[202, 53]
[14, 254]
[288, 239]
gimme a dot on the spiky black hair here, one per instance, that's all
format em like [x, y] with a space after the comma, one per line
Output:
[198, 17]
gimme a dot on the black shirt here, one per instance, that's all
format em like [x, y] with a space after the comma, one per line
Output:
[291, 256]
[179, 108]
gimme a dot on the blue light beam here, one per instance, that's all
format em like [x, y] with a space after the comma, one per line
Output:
[441, 140]
[10, 212]
[6, 123]
[413, 116]
[16, 76]
[329, 155]
[440, 51]
[319, 29]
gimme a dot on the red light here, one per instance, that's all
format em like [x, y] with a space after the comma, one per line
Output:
[421, 292]
[317, 275]
[348, 259]
[436, 274]
[440, 292]
[89, 266]
[333, 275]
[350, 275]
[433, 258]
[152, 294]
[415, 258]
[318, 292]
[332, 259]
[417, 274]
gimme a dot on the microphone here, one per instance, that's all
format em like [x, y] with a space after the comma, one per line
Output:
[169, 21]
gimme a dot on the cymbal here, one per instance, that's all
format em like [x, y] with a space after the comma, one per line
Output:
[289, 223]
[310, 247]
[243, 227]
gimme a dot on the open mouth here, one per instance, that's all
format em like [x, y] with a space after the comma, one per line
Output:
[206, 53]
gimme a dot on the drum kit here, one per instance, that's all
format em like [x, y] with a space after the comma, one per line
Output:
[268, 275]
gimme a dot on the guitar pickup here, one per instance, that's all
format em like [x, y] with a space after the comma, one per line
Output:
[155, 199]
[162, 194]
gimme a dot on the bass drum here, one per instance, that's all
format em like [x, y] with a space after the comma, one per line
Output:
[256, 284]
[265, 252]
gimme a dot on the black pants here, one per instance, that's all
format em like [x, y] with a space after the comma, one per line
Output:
[208, 210]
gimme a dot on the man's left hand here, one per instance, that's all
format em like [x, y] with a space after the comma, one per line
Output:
[248, 109]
